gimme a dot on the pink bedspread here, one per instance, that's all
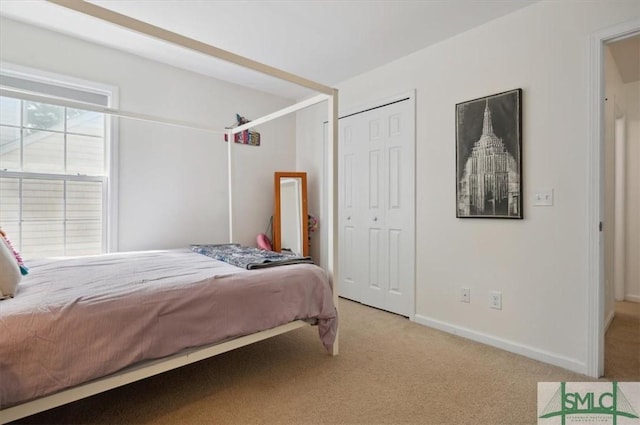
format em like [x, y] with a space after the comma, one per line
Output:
[75, 320]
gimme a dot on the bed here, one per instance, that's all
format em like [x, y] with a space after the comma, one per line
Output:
[79, 319]
[31, 325]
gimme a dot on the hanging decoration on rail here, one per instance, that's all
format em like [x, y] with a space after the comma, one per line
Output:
[246, 137]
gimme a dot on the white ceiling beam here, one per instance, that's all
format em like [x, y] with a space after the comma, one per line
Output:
[189, 43]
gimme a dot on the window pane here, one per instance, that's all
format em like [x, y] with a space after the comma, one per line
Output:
[9, 200]
[84, 200]
[85, 122]
[43, 117]
[47, 204]
[84, 237]
[42, 239]
[9, 111]
[43, 152]
[85, 155]
[9, 148]
[42, 199]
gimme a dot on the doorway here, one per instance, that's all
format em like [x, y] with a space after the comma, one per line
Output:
[622, 208]
[596, 289]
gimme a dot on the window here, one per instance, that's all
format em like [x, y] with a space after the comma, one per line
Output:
[54, 179]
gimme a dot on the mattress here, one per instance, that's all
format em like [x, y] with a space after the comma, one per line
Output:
[77, 319]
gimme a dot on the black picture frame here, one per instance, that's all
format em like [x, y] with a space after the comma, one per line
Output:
[489, 156]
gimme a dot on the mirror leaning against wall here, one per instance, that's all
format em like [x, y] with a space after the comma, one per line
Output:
[290, 231]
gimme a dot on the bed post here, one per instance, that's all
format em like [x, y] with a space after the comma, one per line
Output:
[332, 195]
[230, 141]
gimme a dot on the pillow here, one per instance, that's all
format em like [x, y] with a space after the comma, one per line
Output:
[23, 269]
[9, 271]
[263, 242]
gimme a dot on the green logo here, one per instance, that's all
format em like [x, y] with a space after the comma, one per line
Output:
[589, 403]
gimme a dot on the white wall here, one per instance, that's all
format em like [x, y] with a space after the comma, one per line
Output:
[539, 263]
[173, 181]
[310, 152]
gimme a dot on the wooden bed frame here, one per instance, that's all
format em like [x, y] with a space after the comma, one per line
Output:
[154, 367]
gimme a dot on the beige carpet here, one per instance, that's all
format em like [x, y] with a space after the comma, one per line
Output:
[622, 344]
[389, 370]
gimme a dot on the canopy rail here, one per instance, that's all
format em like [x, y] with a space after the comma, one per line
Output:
[189, 43]
[282, 112]
[85, 106]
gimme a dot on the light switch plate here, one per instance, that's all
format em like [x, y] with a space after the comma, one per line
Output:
[543, 197]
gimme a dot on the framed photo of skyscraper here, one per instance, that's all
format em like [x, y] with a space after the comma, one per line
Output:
[489, 156]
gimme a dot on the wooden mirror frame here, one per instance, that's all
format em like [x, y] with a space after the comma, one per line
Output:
[277, 224]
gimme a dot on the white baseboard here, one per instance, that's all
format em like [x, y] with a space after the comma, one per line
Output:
[513, 347]
[632, 298]
[609, 319]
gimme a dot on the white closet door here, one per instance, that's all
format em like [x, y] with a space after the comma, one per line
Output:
[350, 198]
[377, 231]
[400, 208]
[371, 144]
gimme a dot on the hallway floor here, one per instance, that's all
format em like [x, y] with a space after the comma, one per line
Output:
[622, 344]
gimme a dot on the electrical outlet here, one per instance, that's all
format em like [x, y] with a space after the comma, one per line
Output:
[465, 295]
[495, 300]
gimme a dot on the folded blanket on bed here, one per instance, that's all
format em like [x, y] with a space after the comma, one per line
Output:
[248, 257]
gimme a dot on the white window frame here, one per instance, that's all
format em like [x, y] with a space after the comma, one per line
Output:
[110, 200]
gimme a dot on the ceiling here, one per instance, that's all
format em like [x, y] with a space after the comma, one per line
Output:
[327, 41]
